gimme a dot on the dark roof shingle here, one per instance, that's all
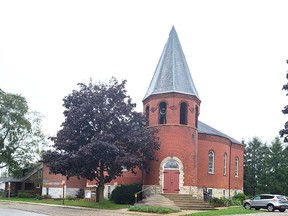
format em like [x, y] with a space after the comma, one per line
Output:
[172, 73]
[206, 129]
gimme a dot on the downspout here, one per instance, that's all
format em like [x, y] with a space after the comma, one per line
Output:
[230, 165]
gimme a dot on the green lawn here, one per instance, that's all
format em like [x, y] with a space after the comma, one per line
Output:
[225, 211]
[79, 202]
[110, 205]
[154, 209]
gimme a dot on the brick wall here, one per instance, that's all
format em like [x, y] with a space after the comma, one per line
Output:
[184, 143]
[219, 146]
[127, 178]
[176, 141]
[173, 101]
[53, 184]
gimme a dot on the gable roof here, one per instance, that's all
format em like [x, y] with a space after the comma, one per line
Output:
[206, 129]
[28, 175]
[172, 73]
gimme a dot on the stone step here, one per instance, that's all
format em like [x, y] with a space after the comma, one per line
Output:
[157, 200]
[182, 201]
[187, 201]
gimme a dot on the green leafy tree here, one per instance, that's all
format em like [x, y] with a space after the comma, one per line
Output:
[263, 173]
[101, 134]
[284, 132]
[21, 138]
[254, 158]
[265, 167]
[277, 163]
[284, 169]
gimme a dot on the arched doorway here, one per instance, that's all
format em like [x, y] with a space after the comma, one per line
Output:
[171, 177]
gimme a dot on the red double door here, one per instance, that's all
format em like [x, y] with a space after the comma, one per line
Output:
[171, 181]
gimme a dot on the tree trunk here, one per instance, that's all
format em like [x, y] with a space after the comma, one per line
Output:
[101, 193]
[101, 183]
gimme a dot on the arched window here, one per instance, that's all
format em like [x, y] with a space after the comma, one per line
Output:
[211, 162]
[225, 164]
[236, 167]
[196, 116]
[171, 164]
[183, 113]
[147, 114]
[162, 113]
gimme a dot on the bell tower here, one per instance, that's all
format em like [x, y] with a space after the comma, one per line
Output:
[172, 105]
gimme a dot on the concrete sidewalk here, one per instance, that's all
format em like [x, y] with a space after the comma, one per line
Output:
[56, 210]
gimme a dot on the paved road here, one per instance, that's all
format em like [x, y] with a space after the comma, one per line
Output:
[265, 213]
[24, 209]
[20, 209]
[6, 211]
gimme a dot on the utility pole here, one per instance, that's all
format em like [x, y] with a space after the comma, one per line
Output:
[63, 184]
[9, 190]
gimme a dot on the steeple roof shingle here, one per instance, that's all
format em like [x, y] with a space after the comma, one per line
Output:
[172, 73]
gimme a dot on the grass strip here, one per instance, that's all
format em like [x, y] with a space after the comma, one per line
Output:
[110, 205]
[225, 211]
[153, 209]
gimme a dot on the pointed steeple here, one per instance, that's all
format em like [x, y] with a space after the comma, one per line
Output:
[172, 73]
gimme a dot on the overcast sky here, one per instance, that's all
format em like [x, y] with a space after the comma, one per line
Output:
[236, 52]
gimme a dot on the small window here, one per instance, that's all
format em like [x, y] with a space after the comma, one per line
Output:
[255, 198]
[196, 116]
[162, 113]
[281, 198]
[210, 192]
[147, 114]
[47, 191]
[266, 197]
[236, 167]
[183, 113]
[29, 186]
[225, 164]
[211, 162]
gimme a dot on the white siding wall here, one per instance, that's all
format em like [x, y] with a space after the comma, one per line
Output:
[58, 192]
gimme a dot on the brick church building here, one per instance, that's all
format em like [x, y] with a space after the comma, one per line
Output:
[192, 154]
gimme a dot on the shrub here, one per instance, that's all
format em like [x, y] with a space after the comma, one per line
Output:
[154, 209]
[70, 197]
[47, 197]
[56, 199]
[216, 202]
[38, 197]
[25, 195]
[236, 202]
[124, 194]
[240, 197]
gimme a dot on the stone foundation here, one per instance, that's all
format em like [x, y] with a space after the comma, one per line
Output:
[221, 192]
[194, 191]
